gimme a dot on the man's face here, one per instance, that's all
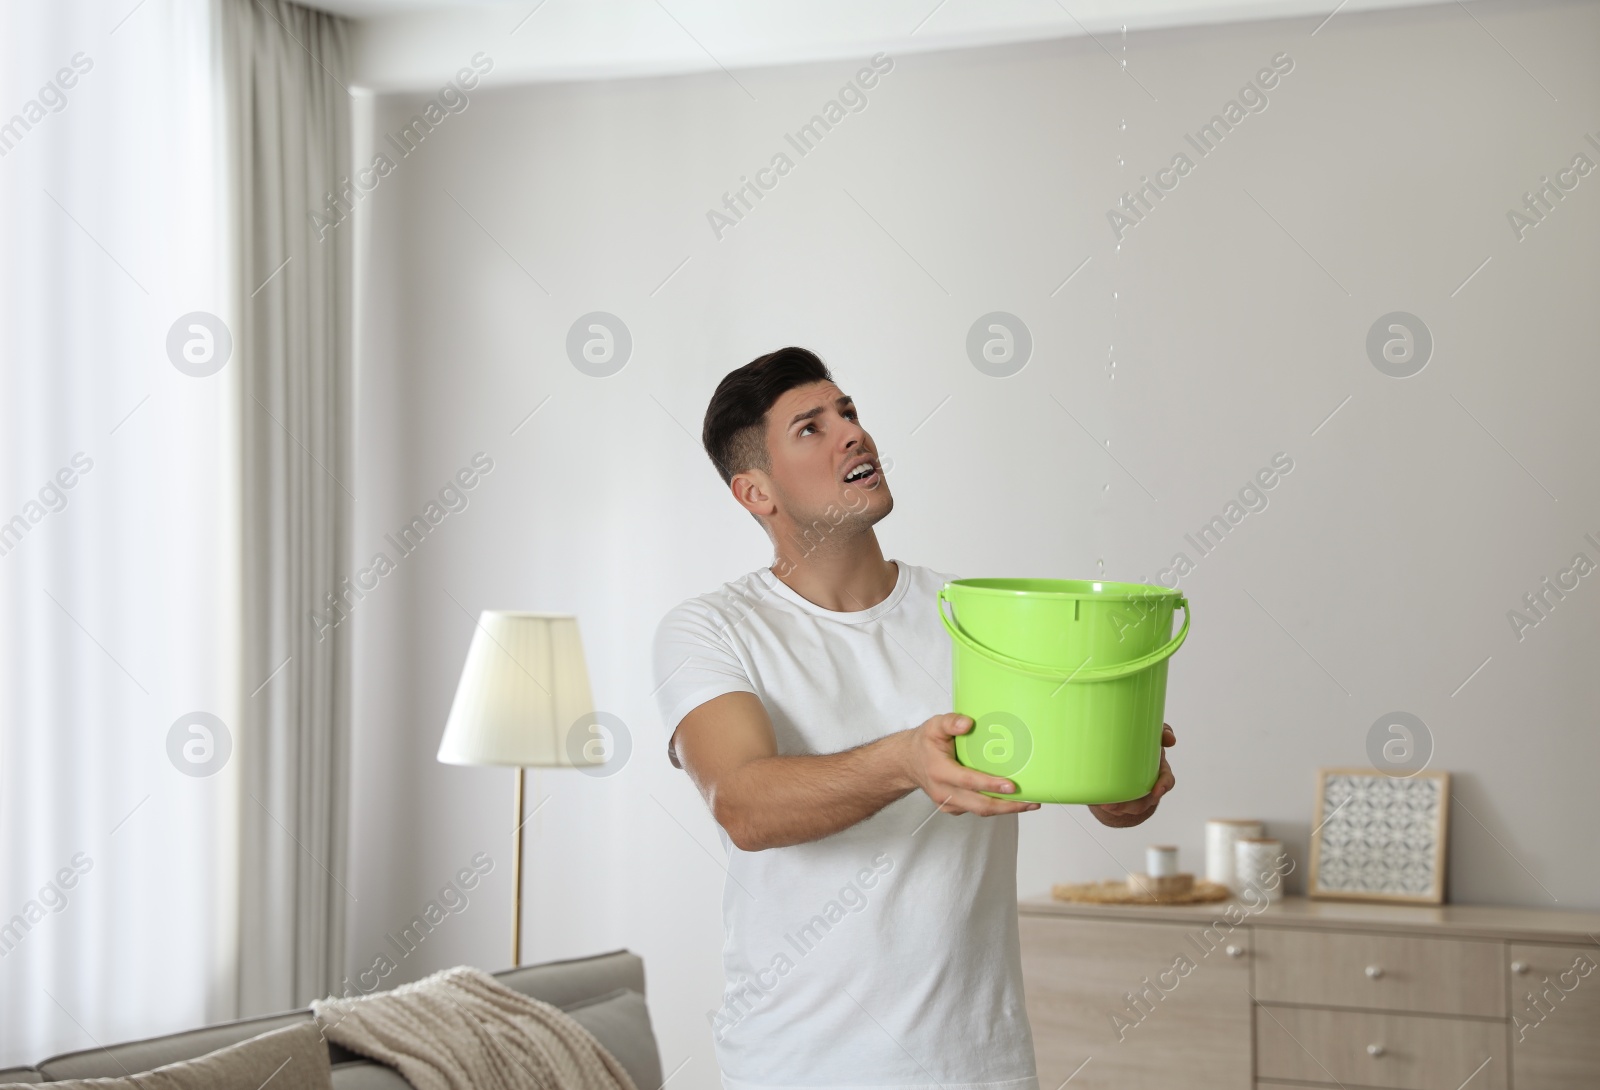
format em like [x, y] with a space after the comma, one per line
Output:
[816, 441]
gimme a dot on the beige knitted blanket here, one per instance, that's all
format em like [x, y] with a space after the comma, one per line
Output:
[461, 1029]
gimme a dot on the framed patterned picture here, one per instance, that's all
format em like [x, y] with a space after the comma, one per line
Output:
[1379, 837]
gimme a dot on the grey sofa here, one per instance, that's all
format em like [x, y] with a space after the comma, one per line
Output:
[605, 993]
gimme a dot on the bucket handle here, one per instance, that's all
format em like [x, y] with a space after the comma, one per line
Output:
[1053, 673]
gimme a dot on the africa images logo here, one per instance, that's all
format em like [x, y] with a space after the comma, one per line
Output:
[1136, 204]
[449, 99]
[741, 998]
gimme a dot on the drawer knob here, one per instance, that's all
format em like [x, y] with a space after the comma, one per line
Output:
[1519, 967]
[1374, 1050]
[1235, 951]
[1374, 971]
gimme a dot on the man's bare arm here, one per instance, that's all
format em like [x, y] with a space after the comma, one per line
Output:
[764, 800]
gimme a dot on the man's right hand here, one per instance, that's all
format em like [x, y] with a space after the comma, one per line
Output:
[930, 763]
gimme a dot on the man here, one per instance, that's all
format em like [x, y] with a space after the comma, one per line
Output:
[870, 902]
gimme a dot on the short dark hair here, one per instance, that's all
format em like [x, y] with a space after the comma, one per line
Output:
[735, 429]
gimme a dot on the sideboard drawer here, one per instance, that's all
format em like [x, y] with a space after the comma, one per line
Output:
[1355, 1048]
[1125, 1005]
[1555, 1016]
[1380, 972]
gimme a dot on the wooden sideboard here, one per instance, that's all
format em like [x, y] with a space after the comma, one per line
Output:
[1239, 995]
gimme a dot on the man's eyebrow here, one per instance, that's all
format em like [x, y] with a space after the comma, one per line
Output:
[841, 402]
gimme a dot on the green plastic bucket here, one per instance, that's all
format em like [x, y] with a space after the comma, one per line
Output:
[1066, 683]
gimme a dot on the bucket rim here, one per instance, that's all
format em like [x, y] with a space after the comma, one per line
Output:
[1066, 589]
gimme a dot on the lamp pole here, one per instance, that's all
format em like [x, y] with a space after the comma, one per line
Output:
[516, 875]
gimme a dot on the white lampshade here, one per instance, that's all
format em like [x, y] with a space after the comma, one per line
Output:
[524, 686]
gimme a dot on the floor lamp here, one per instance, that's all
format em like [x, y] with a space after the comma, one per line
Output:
[522, 701]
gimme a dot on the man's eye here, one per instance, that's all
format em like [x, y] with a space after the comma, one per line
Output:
[851, 413]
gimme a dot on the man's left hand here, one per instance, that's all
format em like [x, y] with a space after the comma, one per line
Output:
[1122, 815]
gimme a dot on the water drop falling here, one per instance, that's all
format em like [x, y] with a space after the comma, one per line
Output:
[1113, 295]
[1123, 124]
[1105, 488]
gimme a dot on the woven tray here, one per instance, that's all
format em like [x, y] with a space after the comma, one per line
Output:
[1123, 893]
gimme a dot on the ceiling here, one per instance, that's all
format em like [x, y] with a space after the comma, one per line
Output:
[402, 45]
[366, 9]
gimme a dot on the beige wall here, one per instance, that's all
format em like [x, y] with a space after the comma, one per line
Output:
[1378, 578]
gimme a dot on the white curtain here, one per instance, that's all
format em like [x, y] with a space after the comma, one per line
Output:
[174, 428]
[119, 579]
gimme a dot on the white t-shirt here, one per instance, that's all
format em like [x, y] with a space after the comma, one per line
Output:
[887, 953]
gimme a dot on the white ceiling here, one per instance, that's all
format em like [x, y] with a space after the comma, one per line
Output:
[414, 44]
[366, 9]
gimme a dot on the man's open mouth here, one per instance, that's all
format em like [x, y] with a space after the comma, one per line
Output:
[865, 473]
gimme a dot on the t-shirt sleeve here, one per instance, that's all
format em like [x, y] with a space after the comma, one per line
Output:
[692, 662]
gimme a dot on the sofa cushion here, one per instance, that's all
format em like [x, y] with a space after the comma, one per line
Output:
[292, 1058]
[153, 1052]
[562, 984]
[566, 983]
[10, 1075]
[368, 1075]
[619, 1020]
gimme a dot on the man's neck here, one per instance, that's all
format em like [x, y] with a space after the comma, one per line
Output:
[849, 578]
